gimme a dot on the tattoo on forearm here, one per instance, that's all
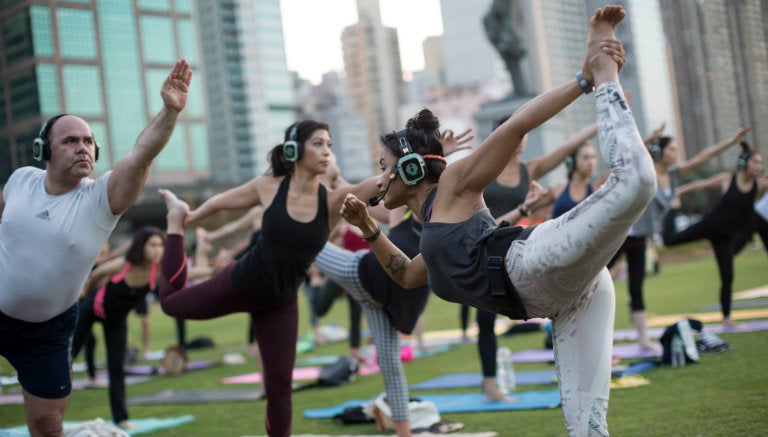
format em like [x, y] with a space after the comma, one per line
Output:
[396, 263]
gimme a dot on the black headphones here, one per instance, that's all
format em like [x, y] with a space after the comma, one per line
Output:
[410, 166]
[41, 146]
[291, 148]
[741, 163]
[656, 149]
[570, 163]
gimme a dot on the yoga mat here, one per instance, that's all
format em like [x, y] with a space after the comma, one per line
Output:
[143, 426]
[459, 403]
[738, 305]
[151, 370]
[717, 328]
[421, 434]
[464, 380]
[196, 396]
[82, 383]
[635, 368]
[299, 374]
[321, 360]
[11, 399]
[709, 317]
[547, 355]
[751, 293]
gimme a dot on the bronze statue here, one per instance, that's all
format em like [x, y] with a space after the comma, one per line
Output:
[499, 27]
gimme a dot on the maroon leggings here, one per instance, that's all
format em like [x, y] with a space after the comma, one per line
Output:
[275, 329]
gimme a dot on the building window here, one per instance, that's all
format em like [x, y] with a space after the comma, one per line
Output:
[42, 34]
[77, 38]
[48, 86]
[82, 90]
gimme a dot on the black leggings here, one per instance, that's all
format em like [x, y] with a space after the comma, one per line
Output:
[323, 298]
[757, 225]
[115, 337]
[634, 248]
[722, 243]
[486, 338]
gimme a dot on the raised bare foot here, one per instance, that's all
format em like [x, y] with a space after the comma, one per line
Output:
[177, 211]
[599, 64]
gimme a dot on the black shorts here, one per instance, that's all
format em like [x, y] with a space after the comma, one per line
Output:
[41, 352]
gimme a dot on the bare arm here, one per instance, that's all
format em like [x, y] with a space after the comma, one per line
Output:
[536, 198]
[247, 222]
[712, 151]
[364, 190]
[655, 135]
[102, 272]
[538, 167]
[130, 174]
[406, 272]
[719, 180]
[240, 197]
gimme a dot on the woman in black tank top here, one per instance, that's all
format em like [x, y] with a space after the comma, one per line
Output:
[298, 213]
[730, 215]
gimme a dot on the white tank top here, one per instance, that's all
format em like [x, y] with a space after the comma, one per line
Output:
[48, 243]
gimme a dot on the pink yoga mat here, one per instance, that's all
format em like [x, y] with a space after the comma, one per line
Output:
[299, 374]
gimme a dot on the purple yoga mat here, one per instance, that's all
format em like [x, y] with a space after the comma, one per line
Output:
[151, 370]
[547, 355]
[748, 326]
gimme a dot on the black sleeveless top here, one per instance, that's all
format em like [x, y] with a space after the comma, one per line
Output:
[403, 307]
[272, 270]
[120, 298]
[501, 199]
[733, 211]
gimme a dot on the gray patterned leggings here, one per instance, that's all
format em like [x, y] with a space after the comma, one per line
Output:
[341, 266]
[560, 271]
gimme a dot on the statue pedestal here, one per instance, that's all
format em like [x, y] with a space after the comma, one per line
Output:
[541, 140]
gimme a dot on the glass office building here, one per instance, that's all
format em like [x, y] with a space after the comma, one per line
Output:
[103, 60]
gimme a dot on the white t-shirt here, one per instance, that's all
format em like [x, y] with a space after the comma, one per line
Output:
[48, 243]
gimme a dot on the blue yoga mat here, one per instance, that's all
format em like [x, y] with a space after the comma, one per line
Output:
[463, 380]
[636, 368]
[143, 426]
[460, 403]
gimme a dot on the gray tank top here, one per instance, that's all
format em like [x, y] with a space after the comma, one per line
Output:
[501, 199]
[454, 254]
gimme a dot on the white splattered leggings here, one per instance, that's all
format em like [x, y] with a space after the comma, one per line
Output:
[560, 271]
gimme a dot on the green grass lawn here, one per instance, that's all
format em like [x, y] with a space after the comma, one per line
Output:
[725, 394]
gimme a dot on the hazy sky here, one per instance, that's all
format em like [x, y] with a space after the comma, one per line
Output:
[312, 31]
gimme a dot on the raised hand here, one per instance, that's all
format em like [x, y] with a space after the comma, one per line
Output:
[740, 134]
[175, 88]
[452, 142]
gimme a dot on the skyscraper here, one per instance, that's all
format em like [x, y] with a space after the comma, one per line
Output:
[374, 73]
[250, 92]
[720, 56]
[104, 61]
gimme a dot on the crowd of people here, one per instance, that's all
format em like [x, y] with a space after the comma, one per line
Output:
[451, 232]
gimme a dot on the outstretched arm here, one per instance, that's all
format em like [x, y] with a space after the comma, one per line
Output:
[246, 222]
[719, 180]
[536, 198]
[655, 135]
[100, 273]
[240, 197]
[540, 166]
[712, 151]
[130, 174]
[406, 272]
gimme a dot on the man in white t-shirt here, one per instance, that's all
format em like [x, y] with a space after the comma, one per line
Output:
[53, 224]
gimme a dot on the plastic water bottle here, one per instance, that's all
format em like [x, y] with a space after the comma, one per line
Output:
[678, 352]
[505, 370]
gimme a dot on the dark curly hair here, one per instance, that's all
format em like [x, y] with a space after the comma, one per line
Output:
[422, 132]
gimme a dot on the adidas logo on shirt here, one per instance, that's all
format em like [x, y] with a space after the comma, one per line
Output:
[44, 215]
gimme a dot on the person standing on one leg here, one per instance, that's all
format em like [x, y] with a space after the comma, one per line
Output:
[555, 269]
[57, 220]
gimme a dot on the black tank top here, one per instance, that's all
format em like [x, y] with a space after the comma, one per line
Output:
[501, 199]
[733, 211]
[120, 298]
[270, 272]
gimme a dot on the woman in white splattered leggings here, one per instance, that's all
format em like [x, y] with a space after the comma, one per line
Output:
[556, 269]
